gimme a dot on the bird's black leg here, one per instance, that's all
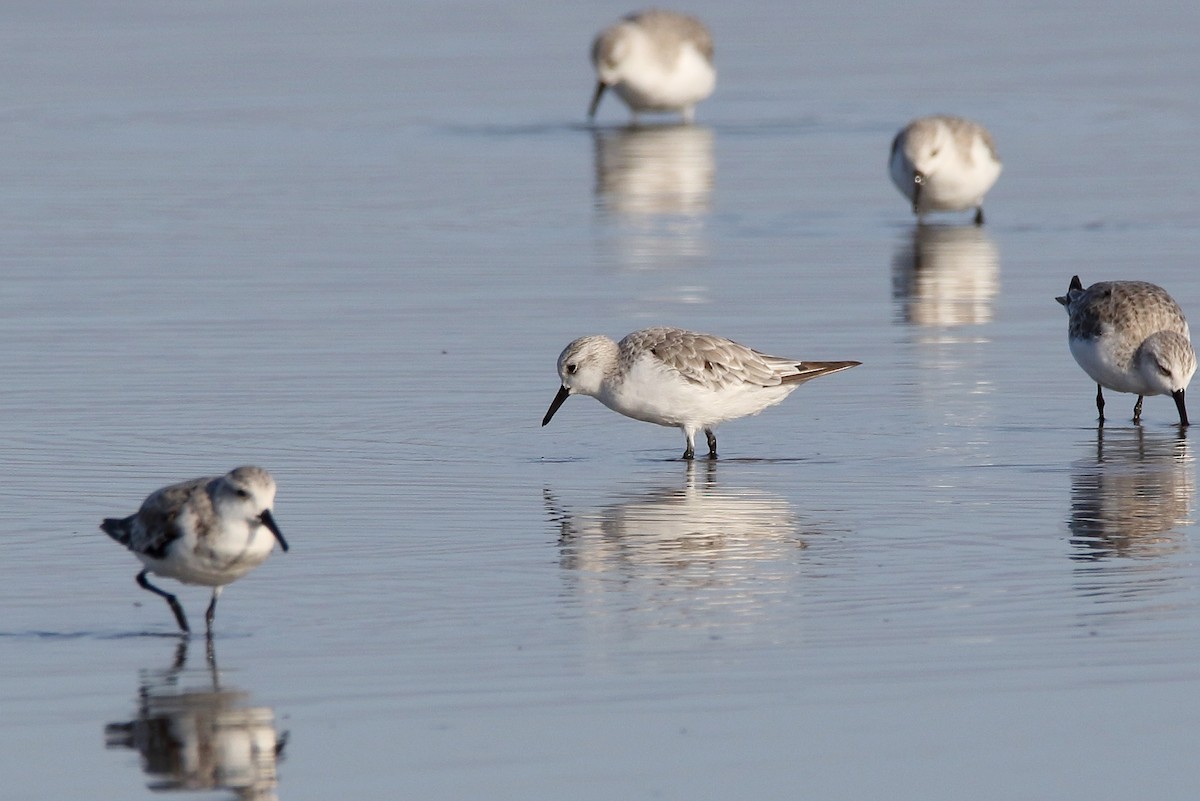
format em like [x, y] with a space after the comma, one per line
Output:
[1137, 411]
[1100, 402]
[171, 600]
[690, 452]
[979, 215]
[712, 443]
[211, 614]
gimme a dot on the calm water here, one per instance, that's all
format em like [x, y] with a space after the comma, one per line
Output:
[347, 242]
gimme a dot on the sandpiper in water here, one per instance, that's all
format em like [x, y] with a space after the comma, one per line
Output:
[680, 378]
[208, 531]
[944, 163]
[655, 61]
[1130, 336]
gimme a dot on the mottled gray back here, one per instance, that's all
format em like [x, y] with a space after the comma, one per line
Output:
[703, 359]
[962, 131]
[155, 525]
[669, 31]
[1141, 308]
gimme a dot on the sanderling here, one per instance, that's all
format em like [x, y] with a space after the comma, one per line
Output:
[1130, 336]
[944, 163]
[655, 61]
[208, 531]
[680, 378]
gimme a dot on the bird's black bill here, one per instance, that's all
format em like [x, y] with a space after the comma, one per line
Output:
[1178, 396]
[600, 87]
[269, 522]
[918, 180]
[563, 394]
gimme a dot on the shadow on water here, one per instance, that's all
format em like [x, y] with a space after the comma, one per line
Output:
[490, 131]
[654, 189]
[195, 734]
[760, 128]
[35, 634]
[1132, 496]
[945, 276]
[764, 460]
[674, 551]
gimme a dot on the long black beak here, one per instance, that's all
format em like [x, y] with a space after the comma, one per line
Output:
[563, 394]
[600, 87]
[269, 522]
[918, 182]
[1178, 396]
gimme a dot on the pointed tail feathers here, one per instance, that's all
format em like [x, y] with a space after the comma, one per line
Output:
[807, 371]
[119, 528]
[1075, 286]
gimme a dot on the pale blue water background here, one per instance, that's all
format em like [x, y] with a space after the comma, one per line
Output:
[348, 241]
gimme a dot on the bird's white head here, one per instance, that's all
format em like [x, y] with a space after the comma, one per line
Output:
[1166, 362]
[582, 367]
[613, 50]
[248, 494]
[584, 363]
[927, 145]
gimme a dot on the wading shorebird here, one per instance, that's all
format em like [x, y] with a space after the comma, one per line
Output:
[1130, 336]
[680, 378]
[655, 61]
[208, 531]
[943, 163]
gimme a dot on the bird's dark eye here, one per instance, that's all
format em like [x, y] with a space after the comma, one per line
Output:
[1164, 371]
[572, 368]
[241, 493]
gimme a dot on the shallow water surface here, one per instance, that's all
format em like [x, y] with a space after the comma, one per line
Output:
[349, 243]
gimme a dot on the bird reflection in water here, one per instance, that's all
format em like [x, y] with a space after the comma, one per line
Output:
[945, 276]
[682, 549]
[1133, 497]
[654, 185]
[195, 735]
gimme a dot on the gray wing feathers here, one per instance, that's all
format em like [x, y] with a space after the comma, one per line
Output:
[155, 526]
[716, 362]
[1142, 308]
[964, 133]
[672, 29]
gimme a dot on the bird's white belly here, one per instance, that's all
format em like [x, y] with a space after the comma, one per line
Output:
[214, 562]
[959, 189]
[664, 398]
[1098, 361]
[658, 89]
